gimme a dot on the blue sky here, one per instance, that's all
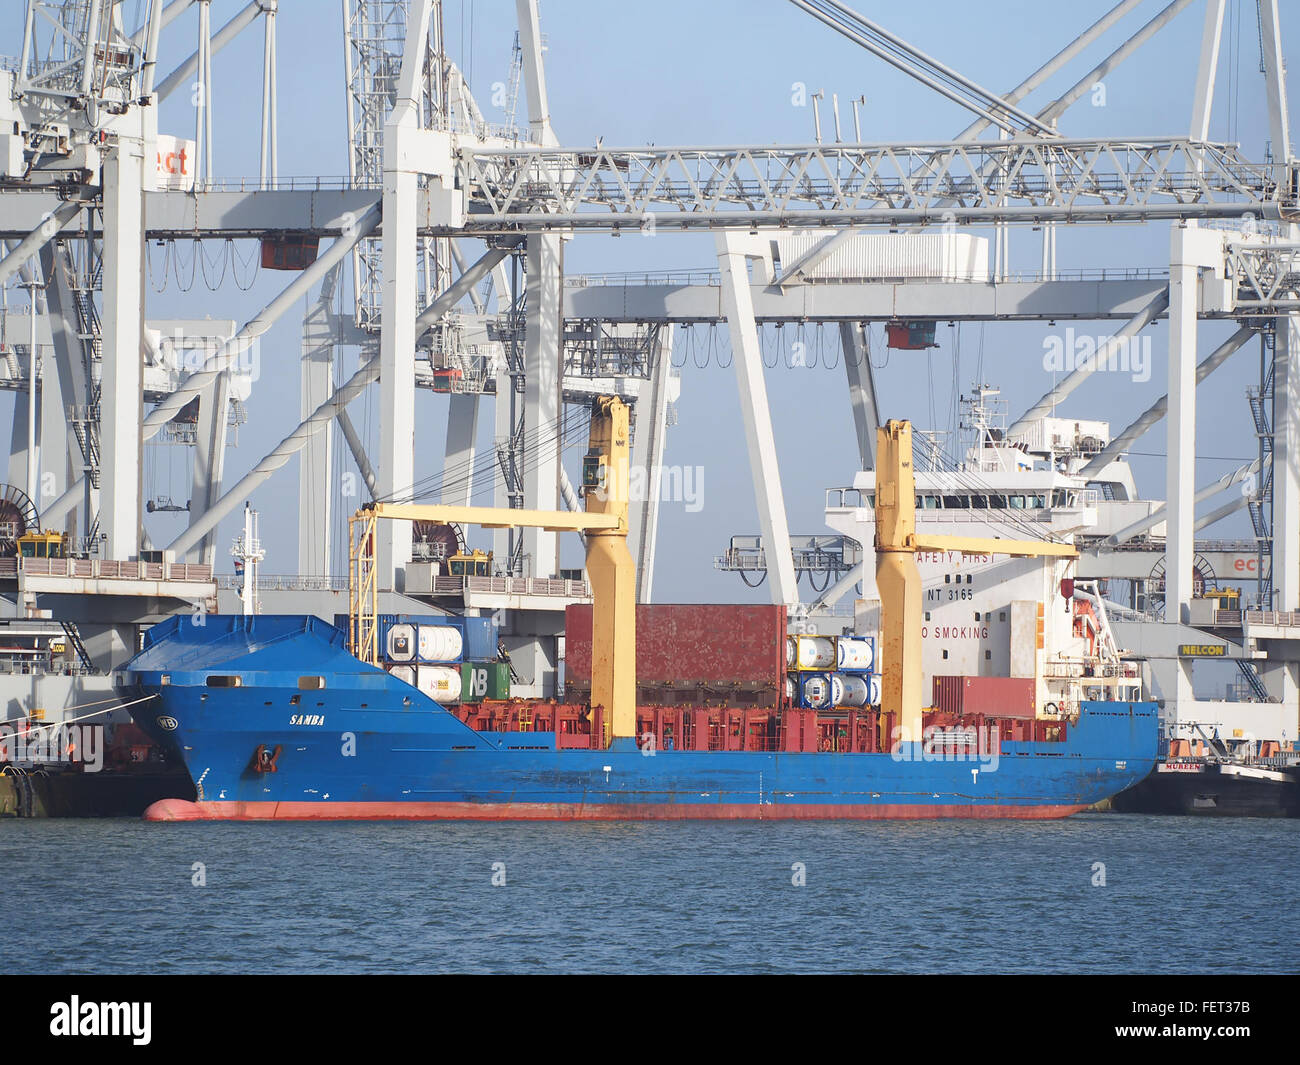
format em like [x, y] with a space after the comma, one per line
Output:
[718, 72]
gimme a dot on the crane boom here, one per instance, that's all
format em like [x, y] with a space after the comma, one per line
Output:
[899, 580]
[605, 475]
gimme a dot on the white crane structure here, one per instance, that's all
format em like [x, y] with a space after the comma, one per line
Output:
[454, 231]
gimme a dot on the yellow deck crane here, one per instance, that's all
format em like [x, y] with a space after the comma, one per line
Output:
[605, 474]
[899, 580]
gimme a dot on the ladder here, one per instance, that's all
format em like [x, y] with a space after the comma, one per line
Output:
[74, 640]
[1252, 678]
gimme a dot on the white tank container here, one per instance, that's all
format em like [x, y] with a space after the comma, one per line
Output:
[815, 652]
[440, 643]
[856, 654]
[817, 691]
[439, 683]
[874, 697]
[791, 689]
[848, 689]
[406, 674]
[399, 646]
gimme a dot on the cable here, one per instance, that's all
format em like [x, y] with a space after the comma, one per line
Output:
[687, 347]
[176, 266]
[708, 352]
[538, 445]
[252, 271]
[837, 347]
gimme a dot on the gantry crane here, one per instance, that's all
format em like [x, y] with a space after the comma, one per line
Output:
[605, 472]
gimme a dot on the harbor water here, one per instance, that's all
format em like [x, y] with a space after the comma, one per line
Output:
[1097, 893]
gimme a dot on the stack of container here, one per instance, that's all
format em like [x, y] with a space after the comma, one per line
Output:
[855, 682]
[429, 652]
[824, 672]
[810, 663]
[451, 659]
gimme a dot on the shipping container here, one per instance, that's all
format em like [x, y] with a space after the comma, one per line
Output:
[437, 643]
[404, 673]
[855, 654]
[810, 653]
[400, 643]
[478, 635]
[440, 683]
[850, 689]
[815, 691]
[480, 638]
[993, 696]
[484, 680]
[498, 680]
[890, 256]
[731, 655]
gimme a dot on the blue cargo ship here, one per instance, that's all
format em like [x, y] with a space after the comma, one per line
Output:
[275, 719]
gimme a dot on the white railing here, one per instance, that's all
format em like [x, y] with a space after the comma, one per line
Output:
[112, 569]
[1273, 617]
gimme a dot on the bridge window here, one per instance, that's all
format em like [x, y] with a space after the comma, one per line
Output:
[311, 683]
[225, 682]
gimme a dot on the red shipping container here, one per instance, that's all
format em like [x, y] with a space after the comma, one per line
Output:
[688, 644]
[995, 696]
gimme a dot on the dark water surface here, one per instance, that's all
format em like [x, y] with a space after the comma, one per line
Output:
[1180, 895]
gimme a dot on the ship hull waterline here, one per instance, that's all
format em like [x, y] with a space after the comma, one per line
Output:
[182, 810]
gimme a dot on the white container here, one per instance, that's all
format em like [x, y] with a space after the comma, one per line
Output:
[856, 654]
[817, 692]
[791, 689]
[439, 683]
[848, 689]
[791, 651]
[440, 643]
[399, 646]
[886, 256]
[406, 674]
[815, 652]
[874, 697]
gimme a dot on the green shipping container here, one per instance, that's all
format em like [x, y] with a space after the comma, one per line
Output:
[498, 680]
[484, 680]
[473, 682]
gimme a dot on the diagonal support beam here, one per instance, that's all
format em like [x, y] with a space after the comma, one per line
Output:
[924, 68]
[366, 375]
[38, 238]
[1047, 404]
[183, 74]
[1153, 414]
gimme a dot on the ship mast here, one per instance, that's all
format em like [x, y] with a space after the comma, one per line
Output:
[248, 554]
